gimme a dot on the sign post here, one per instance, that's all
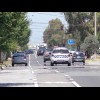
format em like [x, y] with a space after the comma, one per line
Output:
[71, 42]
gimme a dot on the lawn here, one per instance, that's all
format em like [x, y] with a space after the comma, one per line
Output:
[97, 59]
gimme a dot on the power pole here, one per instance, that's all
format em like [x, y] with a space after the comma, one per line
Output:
[95, 18]
[95, 24]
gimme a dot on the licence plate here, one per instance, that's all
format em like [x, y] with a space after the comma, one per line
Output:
[78, 59]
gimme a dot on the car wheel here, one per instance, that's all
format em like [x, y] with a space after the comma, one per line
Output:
[69, 64]
[26, 64]
[12, 64]
[83, 63]
[52, 64]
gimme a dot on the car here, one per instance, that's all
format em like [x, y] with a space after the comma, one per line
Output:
[78, 57]
[41, 51]
[29, 51]
[60, 55]
[72, 52]
[47, 54]
[19, 58]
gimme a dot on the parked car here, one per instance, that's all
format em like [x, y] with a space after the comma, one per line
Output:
[19, 58]
[47, 54]
[78, 57]
[60, 55]
[41, 51]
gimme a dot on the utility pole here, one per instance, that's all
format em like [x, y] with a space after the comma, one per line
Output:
[95, 18]
[95, 24]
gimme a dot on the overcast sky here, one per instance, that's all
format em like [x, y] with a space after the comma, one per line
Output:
[39, 22]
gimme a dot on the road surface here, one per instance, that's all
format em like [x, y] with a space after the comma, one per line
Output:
[38, 75]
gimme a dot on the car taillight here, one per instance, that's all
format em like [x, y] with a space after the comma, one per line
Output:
[69, 55]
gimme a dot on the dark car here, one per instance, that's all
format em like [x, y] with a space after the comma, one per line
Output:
[78, 57]
[47, 54]
[29, 51]
[41, 51]
[19, 58]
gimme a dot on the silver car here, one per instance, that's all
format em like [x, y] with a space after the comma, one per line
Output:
[60, 55]
[19, 58]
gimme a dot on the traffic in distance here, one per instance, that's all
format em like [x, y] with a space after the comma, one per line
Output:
[56, 55]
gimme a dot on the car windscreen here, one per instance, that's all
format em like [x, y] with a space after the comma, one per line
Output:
[42, 48]
[18, 55]
[79, 54]
[60, 51]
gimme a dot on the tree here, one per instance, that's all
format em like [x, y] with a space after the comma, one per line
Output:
[54, 33]
[81, 25]
[13, 30]
[90, 45]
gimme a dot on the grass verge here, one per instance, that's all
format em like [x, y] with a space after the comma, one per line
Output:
[7, 62]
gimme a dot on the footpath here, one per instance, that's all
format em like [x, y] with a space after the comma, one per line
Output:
[16, 77]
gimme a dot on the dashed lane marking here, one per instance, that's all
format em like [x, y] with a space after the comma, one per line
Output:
[56, 71]
[35, 80]
[76, 84]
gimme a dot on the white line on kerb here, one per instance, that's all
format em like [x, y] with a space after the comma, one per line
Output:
[77, 85]
[35, 83]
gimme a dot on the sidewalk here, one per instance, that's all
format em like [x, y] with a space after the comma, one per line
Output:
[16, 77]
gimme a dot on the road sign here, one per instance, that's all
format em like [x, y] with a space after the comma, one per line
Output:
[71, 42]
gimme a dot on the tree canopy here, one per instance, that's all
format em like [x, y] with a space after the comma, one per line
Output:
[14, 30]
[54, 33]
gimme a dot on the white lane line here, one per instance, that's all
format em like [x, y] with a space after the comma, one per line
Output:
[72, 80]
[39, 63]
[36, 84]
[35, 80]
[35, 56]
[55, 82]
[57, 71]
[66, 75]
[76, 84]
[32, 72]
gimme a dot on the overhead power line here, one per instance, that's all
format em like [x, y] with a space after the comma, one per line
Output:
[42, 23]
[48, 14]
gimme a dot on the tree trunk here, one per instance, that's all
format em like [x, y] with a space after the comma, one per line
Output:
[88, 54]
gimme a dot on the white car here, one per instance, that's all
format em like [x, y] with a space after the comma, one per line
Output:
[60, 55]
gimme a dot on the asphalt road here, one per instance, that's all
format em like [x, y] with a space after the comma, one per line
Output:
[61, 75]
[82, 75]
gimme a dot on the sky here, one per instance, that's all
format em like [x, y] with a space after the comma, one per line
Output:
[39, 22]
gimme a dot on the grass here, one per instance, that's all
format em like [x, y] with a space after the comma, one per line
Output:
[7, 62]
[97, 59]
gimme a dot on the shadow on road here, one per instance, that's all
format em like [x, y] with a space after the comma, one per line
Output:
[15, 84]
